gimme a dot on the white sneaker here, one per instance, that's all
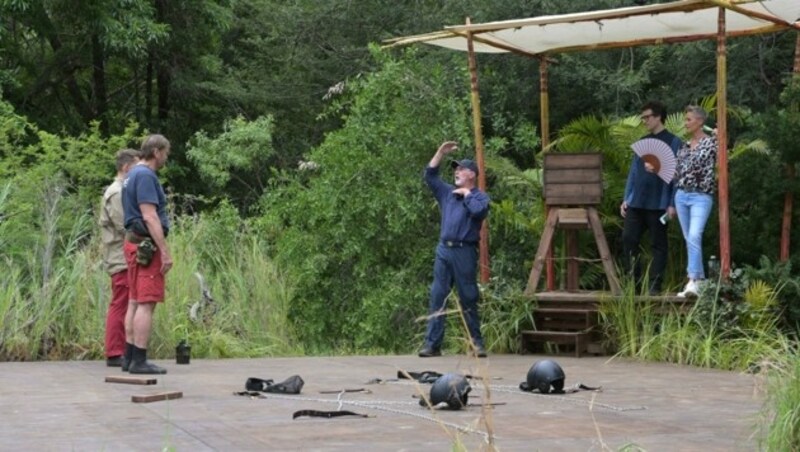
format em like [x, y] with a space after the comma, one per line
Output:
[691, 289]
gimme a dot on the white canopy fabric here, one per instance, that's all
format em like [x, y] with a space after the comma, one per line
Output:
[683, 20]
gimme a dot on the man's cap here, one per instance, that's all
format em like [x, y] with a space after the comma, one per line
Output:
[466, 163]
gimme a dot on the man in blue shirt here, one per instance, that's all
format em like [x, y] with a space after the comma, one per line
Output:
[146, 224]
[647, 199]
[463, 208]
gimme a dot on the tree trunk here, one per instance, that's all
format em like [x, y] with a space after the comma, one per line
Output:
[148, 91]
[163, 80]
[99, 84]
[788, 198]
[786, 225]
[162, 70]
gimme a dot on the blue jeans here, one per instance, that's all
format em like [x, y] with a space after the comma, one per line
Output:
[693, 211]
[454, 265]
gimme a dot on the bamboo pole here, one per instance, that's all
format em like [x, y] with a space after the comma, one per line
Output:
[660, 41]
[499, 45]
[587, 16]
[722, 153]
[544, 114]
[727, 4]
[478, 131]
[791, 173]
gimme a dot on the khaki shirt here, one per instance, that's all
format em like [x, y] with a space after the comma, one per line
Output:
[113, 229]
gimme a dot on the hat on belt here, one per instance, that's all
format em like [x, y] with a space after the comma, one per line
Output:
[466, 163]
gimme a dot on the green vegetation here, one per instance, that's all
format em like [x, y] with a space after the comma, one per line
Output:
[60, 314]
[295, 177]
[781, 416]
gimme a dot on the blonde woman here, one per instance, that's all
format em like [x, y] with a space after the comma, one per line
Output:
[696, 183]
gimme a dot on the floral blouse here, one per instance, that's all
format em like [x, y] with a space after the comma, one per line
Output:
[695, 167]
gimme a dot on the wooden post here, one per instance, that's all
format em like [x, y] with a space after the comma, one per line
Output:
[722, 154]
[476, 125]
[544, 114]
[788, 197]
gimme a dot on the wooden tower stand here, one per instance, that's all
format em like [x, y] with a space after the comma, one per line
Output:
[573, 187]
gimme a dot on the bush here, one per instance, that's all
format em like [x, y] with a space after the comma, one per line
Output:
[356, 231]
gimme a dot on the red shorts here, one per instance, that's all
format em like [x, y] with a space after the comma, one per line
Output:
[146, 283]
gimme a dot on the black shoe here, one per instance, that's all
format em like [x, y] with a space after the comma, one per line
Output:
[115, 361]
[146, 367]
[480, 352]
[126, 364]
[428, 352]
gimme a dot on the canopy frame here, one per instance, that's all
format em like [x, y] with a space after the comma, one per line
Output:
[481, 33]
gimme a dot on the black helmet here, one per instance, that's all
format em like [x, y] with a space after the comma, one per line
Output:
[451, 388]
[545, 373]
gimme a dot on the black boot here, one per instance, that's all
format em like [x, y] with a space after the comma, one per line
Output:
[140, 365]
[127, 358]
[114, 361]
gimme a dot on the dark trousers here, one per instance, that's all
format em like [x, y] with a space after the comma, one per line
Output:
[636, 222]
[457, 265]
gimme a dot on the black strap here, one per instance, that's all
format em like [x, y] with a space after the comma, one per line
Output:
[325, 414]
[574, 388]
[426, 376]
[339, 391]
[582, 387]
[254, 394]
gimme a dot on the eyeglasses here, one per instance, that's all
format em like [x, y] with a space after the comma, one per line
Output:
[646, 117]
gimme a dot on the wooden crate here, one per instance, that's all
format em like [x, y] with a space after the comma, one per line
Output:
[573, 179]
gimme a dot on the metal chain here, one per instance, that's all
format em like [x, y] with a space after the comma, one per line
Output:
[515, 390]
[378, 405]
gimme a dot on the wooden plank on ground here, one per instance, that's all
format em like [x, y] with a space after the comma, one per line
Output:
[131, 380]
[157, 397]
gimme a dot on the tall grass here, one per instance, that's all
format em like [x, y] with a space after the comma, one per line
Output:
[250, 295]
[658, 332]
[781, 412]
[60, 313]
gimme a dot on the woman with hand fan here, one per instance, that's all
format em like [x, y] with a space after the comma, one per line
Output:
[696, 183]
[648, 197]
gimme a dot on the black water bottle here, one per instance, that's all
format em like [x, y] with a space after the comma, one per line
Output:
[183, 352]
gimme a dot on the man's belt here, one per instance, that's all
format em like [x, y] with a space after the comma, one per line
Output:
[457, 243]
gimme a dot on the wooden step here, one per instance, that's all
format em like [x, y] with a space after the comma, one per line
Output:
[593, 300]
[578, 339]
[559, 319]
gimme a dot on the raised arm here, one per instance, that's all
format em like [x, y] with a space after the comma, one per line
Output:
[447, 147]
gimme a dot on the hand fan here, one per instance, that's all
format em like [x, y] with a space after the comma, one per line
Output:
[658, 154]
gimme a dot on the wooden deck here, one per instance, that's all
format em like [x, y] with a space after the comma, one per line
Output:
[69, 406]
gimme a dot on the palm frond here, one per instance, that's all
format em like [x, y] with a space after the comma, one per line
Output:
[757, 146]
[585, 134]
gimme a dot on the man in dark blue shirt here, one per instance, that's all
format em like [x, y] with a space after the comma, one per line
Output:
[647, 200]
[146, 226]
[463, 208]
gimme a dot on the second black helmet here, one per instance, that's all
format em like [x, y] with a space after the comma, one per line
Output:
[545, 374]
